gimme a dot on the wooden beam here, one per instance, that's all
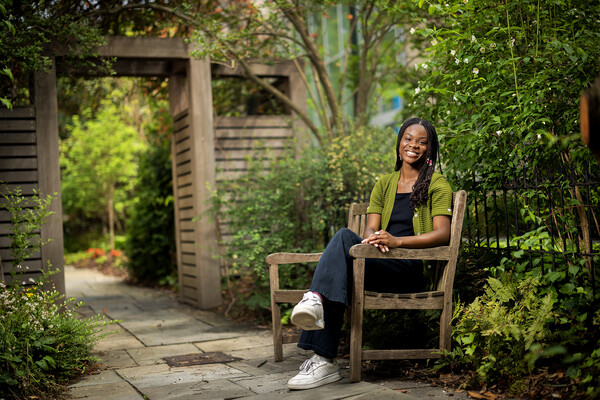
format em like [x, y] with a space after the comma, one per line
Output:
[145, 48]
[123, 67]
[285, 68]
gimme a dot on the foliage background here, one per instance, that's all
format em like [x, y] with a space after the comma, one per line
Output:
[295, 206]
[501, 81]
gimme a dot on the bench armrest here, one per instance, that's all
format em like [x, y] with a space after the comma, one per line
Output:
[364, 250]
[292, 258]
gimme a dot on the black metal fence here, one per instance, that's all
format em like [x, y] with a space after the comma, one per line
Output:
[547, 218]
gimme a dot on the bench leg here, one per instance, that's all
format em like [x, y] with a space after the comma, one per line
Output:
[357, 320]
[277, 339]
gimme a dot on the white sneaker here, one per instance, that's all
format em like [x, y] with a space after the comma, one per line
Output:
[308, 313]
[314, 372]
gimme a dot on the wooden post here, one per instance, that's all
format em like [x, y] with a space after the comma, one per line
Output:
[49, 172]
[203, 176]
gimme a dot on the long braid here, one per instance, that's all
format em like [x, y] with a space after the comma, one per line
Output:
[419, 194]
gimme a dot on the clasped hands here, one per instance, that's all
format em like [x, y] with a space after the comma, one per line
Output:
[382, 240]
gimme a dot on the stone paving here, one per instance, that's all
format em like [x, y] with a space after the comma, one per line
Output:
[153, 326]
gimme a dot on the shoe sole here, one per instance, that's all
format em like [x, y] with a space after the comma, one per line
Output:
[306, 321]
[323, 381]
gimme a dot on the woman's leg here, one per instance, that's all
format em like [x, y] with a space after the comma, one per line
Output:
[331, 280]
[334, 270]
[325, 342]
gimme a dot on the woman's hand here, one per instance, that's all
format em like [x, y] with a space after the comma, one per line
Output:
[382, 240]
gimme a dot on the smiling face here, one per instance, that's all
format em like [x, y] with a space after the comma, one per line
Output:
[413, 145]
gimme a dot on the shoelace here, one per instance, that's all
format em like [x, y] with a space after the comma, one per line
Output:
[305, 299]
[309, 364]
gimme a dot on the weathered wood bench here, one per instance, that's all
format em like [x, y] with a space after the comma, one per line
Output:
[440, 299]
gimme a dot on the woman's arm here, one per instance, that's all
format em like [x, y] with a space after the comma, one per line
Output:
[373, 224]
[439, 236]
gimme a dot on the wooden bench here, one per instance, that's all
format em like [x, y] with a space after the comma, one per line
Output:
[441, 298]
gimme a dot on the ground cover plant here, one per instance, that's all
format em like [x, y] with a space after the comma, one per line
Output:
[43, 342]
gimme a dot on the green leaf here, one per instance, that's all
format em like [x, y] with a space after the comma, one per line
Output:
[518, 253]
[8, 72]
[6, 103]
[10, 27]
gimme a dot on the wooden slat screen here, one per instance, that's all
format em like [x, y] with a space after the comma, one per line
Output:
[239, 139]
[18, 169]
[184, 204]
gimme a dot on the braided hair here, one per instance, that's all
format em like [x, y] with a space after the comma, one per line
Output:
[419, 193]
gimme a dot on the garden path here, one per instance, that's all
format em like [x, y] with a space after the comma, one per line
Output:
[154, 326]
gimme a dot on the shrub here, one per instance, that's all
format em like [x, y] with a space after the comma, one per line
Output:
[497, 330]
[43, 343]
[150, 240]
[296, 205]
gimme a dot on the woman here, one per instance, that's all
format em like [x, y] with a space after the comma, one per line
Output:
[411, 208]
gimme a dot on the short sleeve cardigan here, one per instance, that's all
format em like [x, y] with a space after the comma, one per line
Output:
[439, 201]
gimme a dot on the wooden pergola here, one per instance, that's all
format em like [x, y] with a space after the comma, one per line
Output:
[205, 148]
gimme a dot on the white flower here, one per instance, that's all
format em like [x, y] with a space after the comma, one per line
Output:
[498, 133]
[454, 98]
[417, 90]
[416, 67]
[456, 60]
[424, 66]
[473, 39]
[458, 82]
[476, 71]
[434, 42]
[512, 42]
[539, 136]
[493, 45]
[412, 31]
[453, 52]
[482, 49]
[466, 61]
[31, 280]
[448, 112]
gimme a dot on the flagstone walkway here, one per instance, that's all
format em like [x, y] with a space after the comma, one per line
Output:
[153, 327]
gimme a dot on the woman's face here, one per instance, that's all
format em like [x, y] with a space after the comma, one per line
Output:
[413, 145]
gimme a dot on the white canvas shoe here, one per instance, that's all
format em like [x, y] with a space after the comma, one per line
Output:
[314, 372]
[308, 313]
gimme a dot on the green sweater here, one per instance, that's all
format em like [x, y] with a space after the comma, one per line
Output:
[439, 201]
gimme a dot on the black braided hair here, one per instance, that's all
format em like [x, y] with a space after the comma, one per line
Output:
[419, 193]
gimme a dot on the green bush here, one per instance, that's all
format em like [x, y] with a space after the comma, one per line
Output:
[296, 205]
[150, 239]
[497, 330]
[529, 318]
[43, 343]
[501, 82]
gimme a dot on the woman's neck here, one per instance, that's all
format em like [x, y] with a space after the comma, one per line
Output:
[408, 173]
[408, 178]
